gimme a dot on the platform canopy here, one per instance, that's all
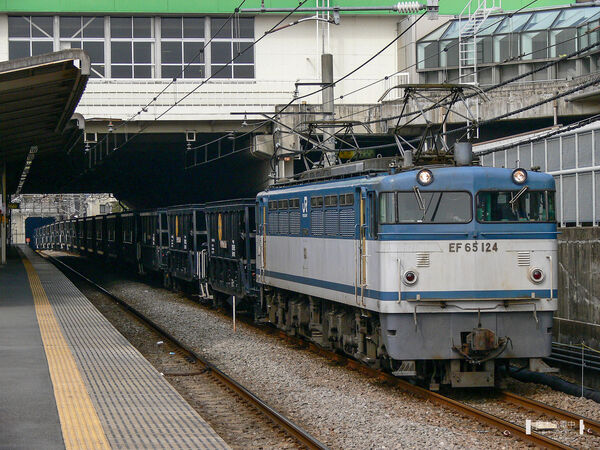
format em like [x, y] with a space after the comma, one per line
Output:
[38, 96]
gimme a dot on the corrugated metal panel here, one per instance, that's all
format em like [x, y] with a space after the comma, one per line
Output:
[585, 200]
[295, 222]
[539, 155]
[559, 202]
[574, 161]
[347, 222]
[316, 222]
[569, 198]
[584, 145]
[273, 223]
[525, 155]
[284, 223]
[332, 220]
[553, 154]
[568, 152]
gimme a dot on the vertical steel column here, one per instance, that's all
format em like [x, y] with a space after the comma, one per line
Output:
[328, 107]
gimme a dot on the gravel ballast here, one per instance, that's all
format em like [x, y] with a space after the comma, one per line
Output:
[341, 407]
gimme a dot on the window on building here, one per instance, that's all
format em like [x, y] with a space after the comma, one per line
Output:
[125, 47]
[30, 36]
[232, 41]
[86, 33]
[182, 47]
[131, 44]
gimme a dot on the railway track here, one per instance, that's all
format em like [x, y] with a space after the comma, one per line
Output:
[590, 426]
[508, 428]
[295, 432]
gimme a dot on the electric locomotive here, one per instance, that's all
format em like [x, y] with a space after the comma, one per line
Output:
[436, 272]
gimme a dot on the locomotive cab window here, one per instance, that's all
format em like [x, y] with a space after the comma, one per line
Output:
[516, 206]
[419, 206]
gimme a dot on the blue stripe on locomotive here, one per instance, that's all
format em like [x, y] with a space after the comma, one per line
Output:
[393, 295]
[471, 179]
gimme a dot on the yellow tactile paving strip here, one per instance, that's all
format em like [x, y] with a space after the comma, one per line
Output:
[80, 425]
[136, 406]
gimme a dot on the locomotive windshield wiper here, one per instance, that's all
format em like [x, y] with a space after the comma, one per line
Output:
[420, 201]
[513, 200]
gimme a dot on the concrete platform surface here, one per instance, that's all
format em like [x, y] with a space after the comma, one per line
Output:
[71, 380]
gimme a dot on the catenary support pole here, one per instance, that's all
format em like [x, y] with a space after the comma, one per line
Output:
[328, 106]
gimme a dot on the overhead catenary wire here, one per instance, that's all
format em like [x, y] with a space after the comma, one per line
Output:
[232, 16]
[350, 73]
[328, 85]
[385, 78]
[174, 79]
[487, 89]
[303, 96]
[203, 82]
[498, 85]
[542, 136]
[592, 82]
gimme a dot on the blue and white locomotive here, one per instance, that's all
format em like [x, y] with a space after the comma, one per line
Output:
[439, 272]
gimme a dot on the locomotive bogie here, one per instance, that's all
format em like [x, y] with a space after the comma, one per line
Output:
[327, 324]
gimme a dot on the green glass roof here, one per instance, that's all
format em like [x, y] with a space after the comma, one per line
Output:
[522, 22]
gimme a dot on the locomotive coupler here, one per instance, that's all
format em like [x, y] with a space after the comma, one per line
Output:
[481, 345]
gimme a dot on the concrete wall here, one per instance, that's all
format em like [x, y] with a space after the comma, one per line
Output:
[578, 316]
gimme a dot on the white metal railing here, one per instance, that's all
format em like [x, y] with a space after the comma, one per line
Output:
[124, 98]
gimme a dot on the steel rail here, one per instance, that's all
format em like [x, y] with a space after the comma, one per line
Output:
[533, 405]
[507, 428]
[301, 435]
[439, 399]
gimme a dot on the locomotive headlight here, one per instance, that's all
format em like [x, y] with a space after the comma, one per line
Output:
[410, 277]
[425, 177]
[536, 275]
[519, 176]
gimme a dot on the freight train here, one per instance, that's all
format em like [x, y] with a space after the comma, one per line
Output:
[439, 272]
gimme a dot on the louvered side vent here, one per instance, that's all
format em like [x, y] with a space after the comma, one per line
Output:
[422, 259]
[347, 222]
[523, 258]
[273, 223]
[295, 222]
[331, 222]
[284, 225]
[316, 222]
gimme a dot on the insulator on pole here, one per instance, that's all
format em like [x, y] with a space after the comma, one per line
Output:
[409, 7]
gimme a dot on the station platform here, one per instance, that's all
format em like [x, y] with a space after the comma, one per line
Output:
[69, 379]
